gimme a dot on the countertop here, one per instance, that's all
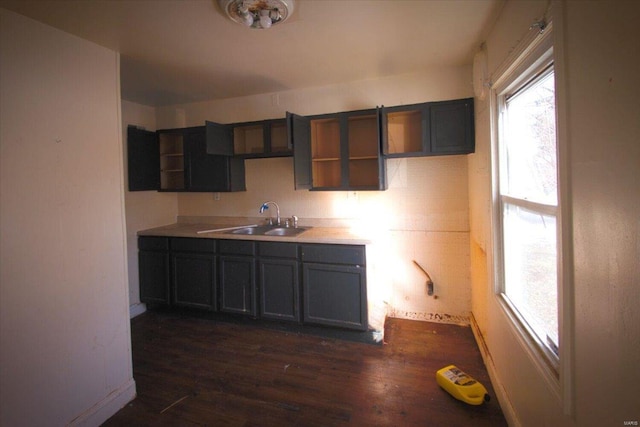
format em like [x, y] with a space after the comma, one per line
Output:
[320, 234]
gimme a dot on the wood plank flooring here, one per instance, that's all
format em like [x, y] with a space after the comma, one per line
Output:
[196, 371]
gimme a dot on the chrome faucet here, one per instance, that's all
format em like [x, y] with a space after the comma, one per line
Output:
[265, 206]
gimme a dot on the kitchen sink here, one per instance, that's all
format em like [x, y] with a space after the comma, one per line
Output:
[269, 230]
[251, 230]
[286, 231]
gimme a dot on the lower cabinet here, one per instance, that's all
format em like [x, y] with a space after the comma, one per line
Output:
[279, 281]
[334, 285]
[153, 269]
[193, 266]
[301, 283]
[237, 284]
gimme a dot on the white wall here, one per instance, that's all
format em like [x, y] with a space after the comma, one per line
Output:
[425, 207]
[65, 354]
[600, 142]
[144, 209]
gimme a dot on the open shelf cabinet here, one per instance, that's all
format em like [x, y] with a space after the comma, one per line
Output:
[171, 161]
[265, 138]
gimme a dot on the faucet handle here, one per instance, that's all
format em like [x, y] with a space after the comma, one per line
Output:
[294, 220]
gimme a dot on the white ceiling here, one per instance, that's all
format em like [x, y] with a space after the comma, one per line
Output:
[179, 51]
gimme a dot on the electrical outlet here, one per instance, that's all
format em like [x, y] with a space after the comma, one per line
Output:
[216, 196]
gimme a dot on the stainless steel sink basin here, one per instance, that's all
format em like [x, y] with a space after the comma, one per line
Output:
[252, 230]
[284, 231]
[267, 230]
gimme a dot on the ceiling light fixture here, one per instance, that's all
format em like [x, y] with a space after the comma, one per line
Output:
[257, 14]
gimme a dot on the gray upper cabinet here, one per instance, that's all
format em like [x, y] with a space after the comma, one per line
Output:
[265, 138]
[176, 160]
[428, 129]
[337, 151]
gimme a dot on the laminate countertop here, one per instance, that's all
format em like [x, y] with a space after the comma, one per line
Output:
[321, 234]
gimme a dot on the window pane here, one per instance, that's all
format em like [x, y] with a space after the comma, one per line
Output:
[530, 269]
[530, 132]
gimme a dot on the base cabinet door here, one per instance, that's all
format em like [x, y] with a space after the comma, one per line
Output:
[153, 266]
[279, 284]
[279, 281]
[335, 295]
[237, 285]
[194, 280]
[237, 277]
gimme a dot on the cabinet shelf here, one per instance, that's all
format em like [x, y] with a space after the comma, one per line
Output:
[326, 159]
[364, 158]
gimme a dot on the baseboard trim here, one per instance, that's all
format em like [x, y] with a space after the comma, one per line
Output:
[105, 408]
[501, 395]
[137, 309]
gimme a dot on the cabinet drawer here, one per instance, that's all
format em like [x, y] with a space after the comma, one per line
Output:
[236, 247]
[333, 254]
[278, 250]
[192, 245]
[153, 243]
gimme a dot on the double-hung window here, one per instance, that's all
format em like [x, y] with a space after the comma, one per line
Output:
[527, 199]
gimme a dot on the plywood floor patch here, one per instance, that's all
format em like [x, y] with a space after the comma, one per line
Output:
[430, 317]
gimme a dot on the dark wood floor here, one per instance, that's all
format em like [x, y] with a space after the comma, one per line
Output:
[195, 371]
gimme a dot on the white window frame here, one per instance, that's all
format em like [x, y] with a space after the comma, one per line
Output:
[514, 82]
[534, 53]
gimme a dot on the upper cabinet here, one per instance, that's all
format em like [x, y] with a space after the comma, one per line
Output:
[429, 129]
[337, 151]
[176, 160]
[331, 152]
[266, 138]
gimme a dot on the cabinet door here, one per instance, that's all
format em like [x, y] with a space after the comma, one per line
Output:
[452, 127]
[194, 280]
[279, 284]
[219, 139]
[211, 173]
[299, 135]
[276, 138]
[335, 295]
[238, 285]
[153, 267]
[143, 153]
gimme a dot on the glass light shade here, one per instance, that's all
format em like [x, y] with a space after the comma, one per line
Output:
[258, 14]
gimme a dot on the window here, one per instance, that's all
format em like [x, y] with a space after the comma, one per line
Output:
[527, 200]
